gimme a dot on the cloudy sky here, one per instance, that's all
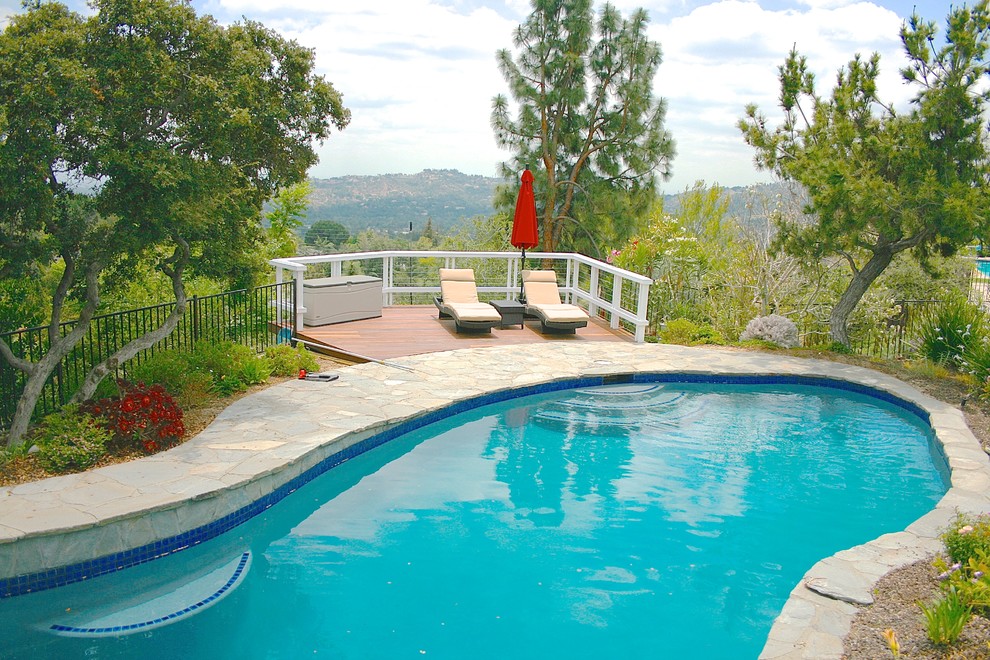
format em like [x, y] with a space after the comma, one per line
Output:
[419, 75]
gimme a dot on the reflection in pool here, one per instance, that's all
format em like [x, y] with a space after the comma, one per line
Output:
[662, 520]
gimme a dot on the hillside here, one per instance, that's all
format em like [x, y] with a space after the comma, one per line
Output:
[390, 202]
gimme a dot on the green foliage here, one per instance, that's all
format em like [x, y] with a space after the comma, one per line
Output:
[840, 348]
[953, 330]
[327, 232]
[70, 441]
[976, 363]
[882, 182]
[967, 541]
[232, 367]
[946, 618]
[706, 334]
[188, 127]
[967, 537]
[287, 361]
[285, 216]
[971, 581]
[678, 331]
[687, 332]
[255, 372]
[762, 344]
[221, 368]
[175, 372]
[586, 115]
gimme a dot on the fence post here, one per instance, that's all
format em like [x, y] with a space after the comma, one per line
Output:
[194, 311]
[295, 318]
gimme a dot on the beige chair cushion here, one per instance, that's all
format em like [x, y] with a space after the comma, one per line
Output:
[540, 287]
[457, 285]
[562, 313]
[474, 312]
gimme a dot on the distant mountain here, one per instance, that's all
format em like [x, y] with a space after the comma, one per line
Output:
[391, 201]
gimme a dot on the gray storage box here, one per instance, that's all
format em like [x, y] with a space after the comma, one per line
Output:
[338, 299]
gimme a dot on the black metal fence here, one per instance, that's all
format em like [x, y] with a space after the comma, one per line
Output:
[897, 335]
[256, 317]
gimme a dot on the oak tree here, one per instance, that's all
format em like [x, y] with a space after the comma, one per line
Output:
[143, 133]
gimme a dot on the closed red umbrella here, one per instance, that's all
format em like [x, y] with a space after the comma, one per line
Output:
[524, 233]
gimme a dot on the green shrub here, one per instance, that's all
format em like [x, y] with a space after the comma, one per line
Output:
[762, 344]
[967, 538]
[975, 361]
[955, 328]
[706, 334]
[176, 373]
[255, 371]
[287, 361]
[678, 331]
[967, 542]
[946, 618]
[840, 348]
[226, 363]
[687, 332]
[69, 441]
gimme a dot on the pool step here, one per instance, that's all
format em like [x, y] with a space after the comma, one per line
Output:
[179, 603]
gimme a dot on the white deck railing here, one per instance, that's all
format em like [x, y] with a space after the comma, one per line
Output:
[600, 288]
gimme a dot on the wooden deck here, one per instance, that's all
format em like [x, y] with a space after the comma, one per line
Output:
[415, 329]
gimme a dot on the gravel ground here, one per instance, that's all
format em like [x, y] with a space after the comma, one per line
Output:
[896, 608]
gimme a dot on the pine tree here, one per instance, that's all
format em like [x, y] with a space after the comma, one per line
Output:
[588, 122]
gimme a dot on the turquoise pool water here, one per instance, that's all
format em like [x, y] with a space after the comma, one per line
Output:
[983, 266]
[641, 520]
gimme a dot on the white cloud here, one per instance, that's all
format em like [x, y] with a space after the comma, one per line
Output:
[724, 55]
[419, 75]
[418, 78]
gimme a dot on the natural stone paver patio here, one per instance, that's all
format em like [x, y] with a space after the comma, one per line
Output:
[264, 440]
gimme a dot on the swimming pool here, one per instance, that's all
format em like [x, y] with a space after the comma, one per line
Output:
[983, 265]
[647, 517]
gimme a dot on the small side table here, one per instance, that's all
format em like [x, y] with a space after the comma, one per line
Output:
[511, 312]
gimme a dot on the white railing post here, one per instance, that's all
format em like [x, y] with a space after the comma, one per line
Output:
[279, 300]
[511, 266]
[616, 298]
[642, 308]
[593, 289]
[388, 275]
[300, 277]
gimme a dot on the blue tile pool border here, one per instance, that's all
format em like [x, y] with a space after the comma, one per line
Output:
[64, 575]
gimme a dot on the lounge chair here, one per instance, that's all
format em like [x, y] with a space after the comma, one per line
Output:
[543, 302]
[459, 300]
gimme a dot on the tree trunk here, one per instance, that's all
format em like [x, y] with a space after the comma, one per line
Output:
[133, 347]
[173, 267]
[861, 281]
[39, 371]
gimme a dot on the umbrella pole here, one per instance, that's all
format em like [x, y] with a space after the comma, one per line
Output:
[521, 298]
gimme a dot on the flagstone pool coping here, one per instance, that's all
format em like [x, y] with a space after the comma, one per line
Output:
[266, 444]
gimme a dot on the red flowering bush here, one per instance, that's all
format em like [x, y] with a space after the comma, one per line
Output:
[141, 417]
